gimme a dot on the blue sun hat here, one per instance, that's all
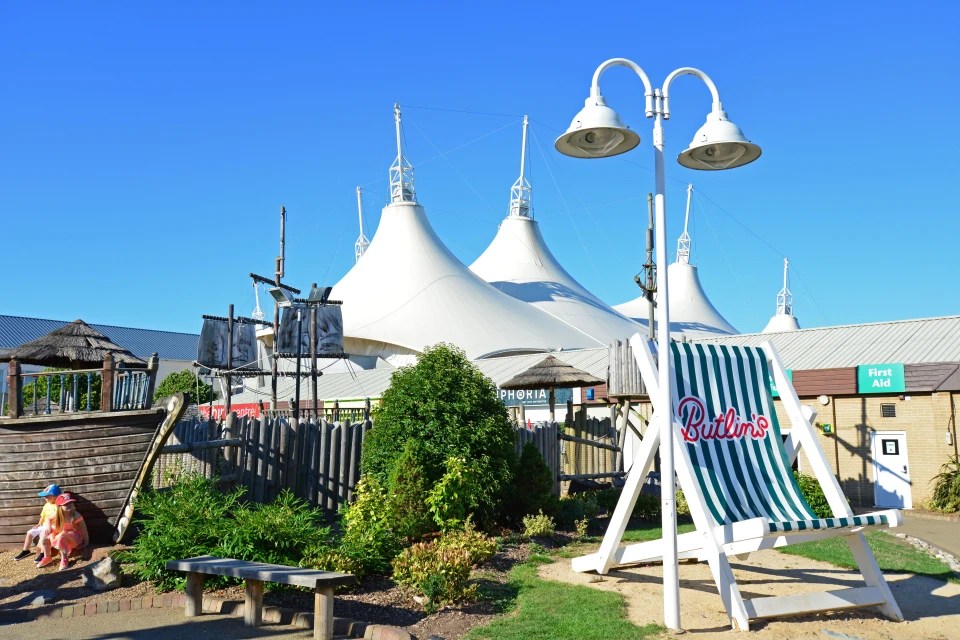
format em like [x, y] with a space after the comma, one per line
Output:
[52, 490]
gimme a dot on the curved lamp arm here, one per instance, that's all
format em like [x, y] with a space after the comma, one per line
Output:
[686, 71]
[630, 64]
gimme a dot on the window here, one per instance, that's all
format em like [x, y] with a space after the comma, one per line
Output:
[888, 410]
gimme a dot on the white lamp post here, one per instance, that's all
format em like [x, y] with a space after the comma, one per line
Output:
[598, 132]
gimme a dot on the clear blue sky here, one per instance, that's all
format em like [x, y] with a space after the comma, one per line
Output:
[145, 148]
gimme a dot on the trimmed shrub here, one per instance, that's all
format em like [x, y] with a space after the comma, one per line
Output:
[451, 409]
[531, 488]
[441, 575]
[478, 546]
[453, 499]
[408, 490]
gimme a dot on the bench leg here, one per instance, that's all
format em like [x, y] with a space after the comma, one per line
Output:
[253, 604]
[194, 603]
[323, 613]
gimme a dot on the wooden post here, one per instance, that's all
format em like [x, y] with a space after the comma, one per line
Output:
[336, 411]
[106, 384]
[227, 400]
[366, 410]
[153, 364]
[15, 401]
[313, 356]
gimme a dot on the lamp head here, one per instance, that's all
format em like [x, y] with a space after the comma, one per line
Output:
[282, 297]
[718, 144]
[596, 132]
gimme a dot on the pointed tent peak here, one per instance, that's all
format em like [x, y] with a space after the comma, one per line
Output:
[520, 192]
[360, 246]
[551, 372]
[73, 345]
[783, 319]
[683, 242]
[401, 171]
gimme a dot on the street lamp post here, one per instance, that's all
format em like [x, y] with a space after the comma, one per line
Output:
[598, 132]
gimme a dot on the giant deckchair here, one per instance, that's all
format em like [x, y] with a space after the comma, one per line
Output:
[735, 471]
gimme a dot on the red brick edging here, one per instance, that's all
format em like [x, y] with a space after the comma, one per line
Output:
[341, 626]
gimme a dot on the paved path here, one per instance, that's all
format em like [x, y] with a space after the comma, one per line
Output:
[941, 533]
[167, 623]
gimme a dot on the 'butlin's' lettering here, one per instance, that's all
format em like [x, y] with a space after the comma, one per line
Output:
[726, 426]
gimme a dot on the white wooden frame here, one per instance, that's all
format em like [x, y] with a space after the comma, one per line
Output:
[715, 544]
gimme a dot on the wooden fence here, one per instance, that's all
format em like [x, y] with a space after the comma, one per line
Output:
[320, 461]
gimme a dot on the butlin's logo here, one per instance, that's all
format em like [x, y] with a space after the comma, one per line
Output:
[726, 426]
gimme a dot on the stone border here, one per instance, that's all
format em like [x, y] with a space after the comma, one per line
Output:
[934, 551]
[280, 615]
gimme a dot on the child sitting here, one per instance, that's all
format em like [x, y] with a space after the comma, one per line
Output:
[45, 525]
[70, 533]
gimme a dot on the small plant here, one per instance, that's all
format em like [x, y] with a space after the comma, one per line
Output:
[440, 574]
[478, 546]
[577, 506]
[813, 494]
[581, 527]
[538, 526]
[946, 487]
[683, 509]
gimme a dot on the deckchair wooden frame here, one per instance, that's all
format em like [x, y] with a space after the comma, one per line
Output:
[715, 544]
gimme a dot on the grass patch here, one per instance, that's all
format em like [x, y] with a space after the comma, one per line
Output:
[551, 610]
[892, 554]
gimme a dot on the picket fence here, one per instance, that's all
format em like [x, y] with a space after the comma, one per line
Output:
[319, 461]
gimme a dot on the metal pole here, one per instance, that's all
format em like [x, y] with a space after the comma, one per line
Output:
[296, 407]
[671, 582]
[313, 358]
[650, 266]
[228, 401]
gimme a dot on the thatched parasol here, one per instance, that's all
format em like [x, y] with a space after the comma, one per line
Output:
[76, 346]
[553, 374]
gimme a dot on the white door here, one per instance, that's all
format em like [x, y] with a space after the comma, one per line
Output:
[891, 471]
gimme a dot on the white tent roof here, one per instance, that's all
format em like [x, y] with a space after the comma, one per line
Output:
[691, 312]
[409, 291]
[519, 263]
[781, 322]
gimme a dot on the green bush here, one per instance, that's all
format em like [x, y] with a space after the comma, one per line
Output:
[369, 537]
[648, 507]
[538, 526]
[441, 575]
[946, 487]
[531, 488]
[408, 490]
[197, 391]
[187, 520]
[575, 507]
[451, 409]
[276, 533]
[683, 509]
[813, 494]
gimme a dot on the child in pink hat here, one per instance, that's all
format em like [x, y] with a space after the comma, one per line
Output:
[70, 534]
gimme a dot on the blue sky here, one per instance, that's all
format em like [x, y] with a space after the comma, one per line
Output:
[145, 148]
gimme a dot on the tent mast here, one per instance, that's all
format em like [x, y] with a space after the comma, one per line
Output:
[785, 298]
[683, 244]
[520, 192]
[362, 243]
[401, 171]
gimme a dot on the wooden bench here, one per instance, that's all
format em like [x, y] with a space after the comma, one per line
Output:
[257, 573]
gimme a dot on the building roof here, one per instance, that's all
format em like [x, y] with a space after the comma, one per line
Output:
[519, 263]
[169, 345]
[919, 341]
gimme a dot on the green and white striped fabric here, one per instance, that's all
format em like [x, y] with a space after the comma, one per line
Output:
[723, 404]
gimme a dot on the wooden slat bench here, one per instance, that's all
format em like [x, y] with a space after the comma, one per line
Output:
[256, 574]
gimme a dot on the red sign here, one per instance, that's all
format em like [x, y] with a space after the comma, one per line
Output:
[251, 409]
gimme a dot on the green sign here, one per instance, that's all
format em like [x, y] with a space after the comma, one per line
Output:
[880, 378]
[773, 383]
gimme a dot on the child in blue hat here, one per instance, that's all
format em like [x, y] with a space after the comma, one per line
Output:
[44, 528]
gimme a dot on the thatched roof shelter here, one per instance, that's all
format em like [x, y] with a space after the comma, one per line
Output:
[76, 346]
[551, 373]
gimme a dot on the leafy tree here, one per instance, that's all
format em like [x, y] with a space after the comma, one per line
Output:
[185, 382]
[451, 409]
